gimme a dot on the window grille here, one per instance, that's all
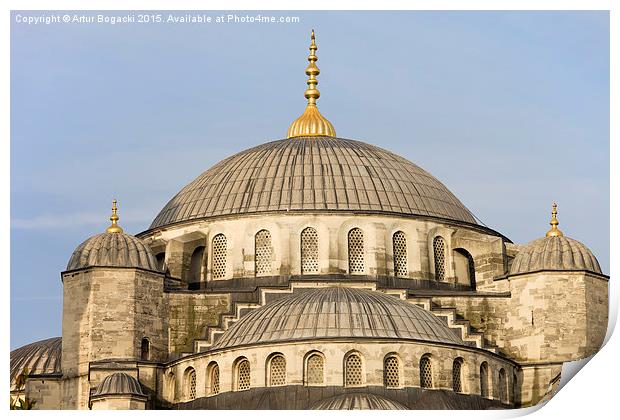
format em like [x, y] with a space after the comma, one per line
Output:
[503, 389]
[356, 251]
[484, 380]
[243, 375]
[353, 370]
[218, 265]
[439, 248]
[277, 371]
[315, 369]
[309, 251]
[399, 242]
[456, 376]
[391, 372]
[263, 253]
[191, 382]
[426, 373]
[215, 380]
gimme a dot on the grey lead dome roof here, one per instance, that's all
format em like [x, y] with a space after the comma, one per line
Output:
[358, 401]
[554, 253]
[334, 312]
[41, 357]
[118, 383]
[313, 173]
[113, 250]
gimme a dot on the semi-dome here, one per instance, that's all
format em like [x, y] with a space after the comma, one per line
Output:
[41, 357]
[118, 383]
[358, 401]
[313, 174]
[336, 312]
[115, 249]
[554, 253]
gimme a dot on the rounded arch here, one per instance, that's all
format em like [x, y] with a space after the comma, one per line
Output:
[464, 267]
[241, 374]
[219, 256]
[276, 370]
[197, 260]
[189, 383]
[213, 379]
[502, 387]
[353, 368]
[457, 374]
[160, 258]
[426, 371]
[484, 380]
[356, 254]
[439, 257]
[263, 253]
[309, 251]
[145, 348]
[171, 386]
[392, 371]
[314, 368]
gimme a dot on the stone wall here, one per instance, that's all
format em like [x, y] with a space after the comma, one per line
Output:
[45, 392]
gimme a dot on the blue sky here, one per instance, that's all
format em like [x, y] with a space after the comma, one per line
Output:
[509, 109]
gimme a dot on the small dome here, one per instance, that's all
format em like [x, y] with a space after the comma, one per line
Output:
[113, 250]
[358, 401]
[42, 357]
[554, 253]
[336, 312]
[118, 383]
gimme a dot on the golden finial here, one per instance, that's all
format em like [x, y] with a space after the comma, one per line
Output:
[114, 228]
[311, 122]
[554, 231]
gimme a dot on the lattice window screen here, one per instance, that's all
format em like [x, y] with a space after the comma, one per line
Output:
[243, 375]
[356, 251]
[503, 389]
[218, 264]
[484, 380]
[315, 369]
[309, 251]
[391, 372]
[215, 380]
[263, 253]
[353, 370]
[399, 242]
[426, 373]
[456, 376]
[277, 371]
[439, 248]
[192, 384]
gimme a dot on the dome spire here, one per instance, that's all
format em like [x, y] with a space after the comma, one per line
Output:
[311, 122]
[554, 231]
[114, 227]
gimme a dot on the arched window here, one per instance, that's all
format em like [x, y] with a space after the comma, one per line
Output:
[484, 380]
[309, 251]
[277, 370]
[356, 251]
[218, 257]
[161, 260]
[391, 372]
[426, 372]
[190, 383]
[399, 243]
[515, 387]
[439, 249]
[353, 371]
[263, 253]
[195, 270]
[503, 389]
[242, 380]
[457, 385]
[172, 387]
[314, 369]
[145, 349]
[213, 379]
[464, 268]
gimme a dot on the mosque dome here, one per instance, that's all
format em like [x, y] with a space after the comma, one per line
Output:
[340, 312]
[113, 248]
[358, 401]
[118, 383]
[554, 252]
[41, 357]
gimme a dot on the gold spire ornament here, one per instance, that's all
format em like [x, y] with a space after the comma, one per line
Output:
[554, 231]
[311, 123]
[114, 227]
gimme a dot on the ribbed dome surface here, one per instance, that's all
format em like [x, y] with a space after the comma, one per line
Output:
[112, 250]
[554, 253]
[358, 401]
[118, 383]
[336, 312]
[313, 173]
[41, 357]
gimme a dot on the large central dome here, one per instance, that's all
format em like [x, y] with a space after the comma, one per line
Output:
[313, 174]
